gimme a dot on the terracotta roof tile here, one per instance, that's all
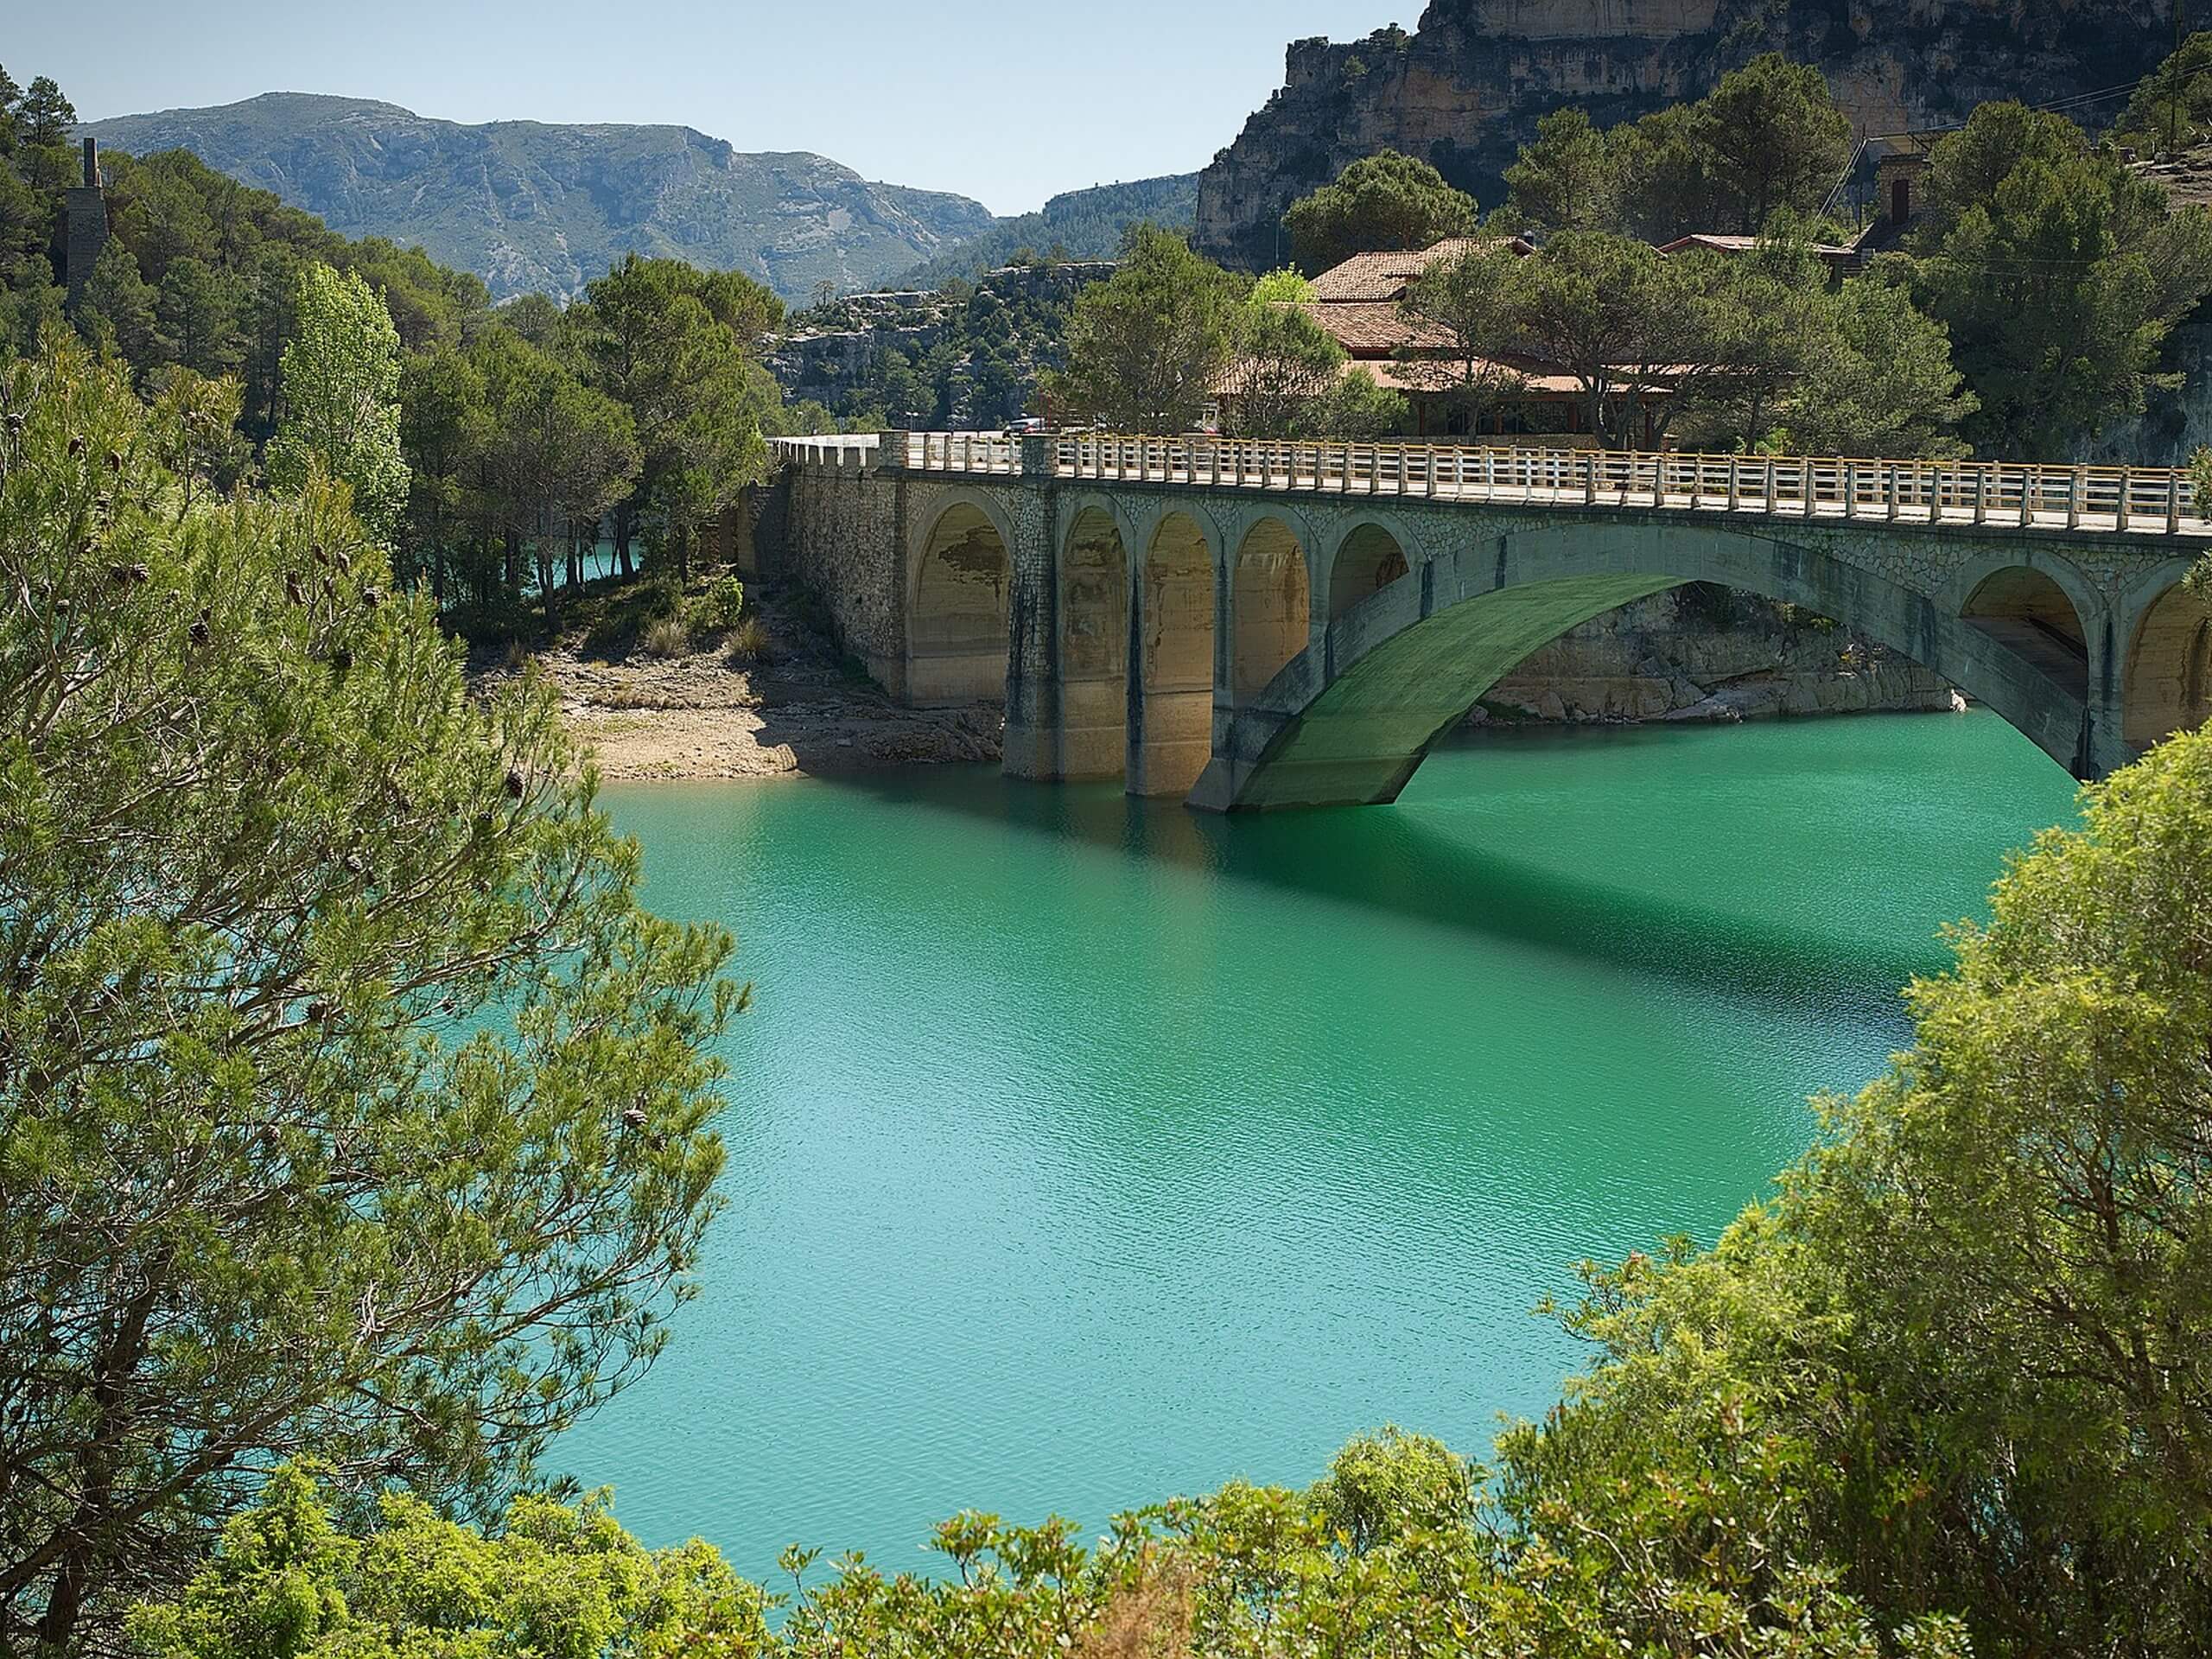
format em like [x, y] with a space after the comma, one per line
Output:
[1386, 275]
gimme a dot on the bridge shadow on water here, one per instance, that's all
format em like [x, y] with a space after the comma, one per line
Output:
[1423, 864]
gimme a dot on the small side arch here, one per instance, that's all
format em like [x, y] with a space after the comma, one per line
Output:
[957, 628]
[1170, 717]
[2026, 609]
[2167, 686]
[1271, 604]
[1369, 556]
[1094, 646]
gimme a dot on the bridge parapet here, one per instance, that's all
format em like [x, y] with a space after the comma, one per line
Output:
[2126, 501]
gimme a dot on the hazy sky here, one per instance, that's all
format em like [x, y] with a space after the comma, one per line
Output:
[1008, 103]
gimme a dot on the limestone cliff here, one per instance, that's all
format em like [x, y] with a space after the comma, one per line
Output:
[1466, 89]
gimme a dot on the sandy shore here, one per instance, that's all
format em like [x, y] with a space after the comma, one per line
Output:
[703, 714]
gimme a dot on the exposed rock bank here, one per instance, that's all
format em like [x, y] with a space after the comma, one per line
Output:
[1698, 654]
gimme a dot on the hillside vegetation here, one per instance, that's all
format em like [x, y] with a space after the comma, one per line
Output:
[1080, 225]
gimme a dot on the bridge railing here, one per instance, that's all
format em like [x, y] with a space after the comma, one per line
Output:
[2148, 500]
[2143, 500]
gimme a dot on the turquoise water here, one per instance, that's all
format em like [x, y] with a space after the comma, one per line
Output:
[1084, 1151]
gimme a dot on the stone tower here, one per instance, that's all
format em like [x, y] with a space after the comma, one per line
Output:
[87, 223]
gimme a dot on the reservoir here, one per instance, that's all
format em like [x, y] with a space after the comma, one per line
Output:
[1084, 1151]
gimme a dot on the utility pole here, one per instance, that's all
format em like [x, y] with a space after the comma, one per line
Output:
[2173, 80]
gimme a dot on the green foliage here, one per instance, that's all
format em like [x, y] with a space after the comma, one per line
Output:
[2172, 109]
[1284, 362]
[1767, 139]
[1384, 203]
[1145, 348]
[340, 399]
[1567, 179]
[1392, 1485]
[555, 1581]
[1080, 225]
[2058, 273]
[1285, 287]
[1467, 312]
[673, 345]
[351, 1103]
[1357, 406]
[720, 608]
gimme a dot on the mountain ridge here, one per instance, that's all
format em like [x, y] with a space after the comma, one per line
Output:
[548, 205]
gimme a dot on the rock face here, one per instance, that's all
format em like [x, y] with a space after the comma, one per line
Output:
[528, 206]
[1466, 89]
[1681, 656]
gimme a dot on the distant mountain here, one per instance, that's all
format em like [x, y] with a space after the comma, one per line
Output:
[1081, 225]
[529, 205]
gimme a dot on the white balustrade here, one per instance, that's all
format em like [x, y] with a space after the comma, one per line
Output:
[2136, 500]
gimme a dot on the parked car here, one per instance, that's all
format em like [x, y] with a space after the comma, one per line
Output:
[1026, 426]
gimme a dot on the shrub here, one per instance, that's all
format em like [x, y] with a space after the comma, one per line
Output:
[749, 642]
[720, 609]
[665, 636]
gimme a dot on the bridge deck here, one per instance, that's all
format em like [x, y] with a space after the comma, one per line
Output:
[2095, 500]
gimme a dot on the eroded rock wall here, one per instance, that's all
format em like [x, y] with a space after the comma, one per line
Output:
[1664, 658]
[1466, 88]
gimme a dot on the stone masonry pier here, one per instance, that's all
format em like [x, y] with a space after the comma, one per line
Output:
[1259, 624]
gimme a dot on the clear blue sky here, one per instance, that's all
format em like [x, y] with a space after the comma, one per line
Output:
[1007, 103]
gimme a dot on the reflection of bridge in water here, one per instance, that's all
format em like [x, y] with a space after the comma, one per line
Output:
[1276, 624]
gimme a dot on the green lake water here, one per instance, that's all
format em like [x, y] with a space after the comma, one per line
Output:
[1084, 1151]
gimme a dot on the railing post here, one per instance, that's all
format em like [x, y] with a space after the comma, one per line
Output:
[1981, 495]
[1889, 490]
[1735, 482]
[2077, 486]
[2031, 493]
[1589, 460]
[2127, 479]
[2173, 504]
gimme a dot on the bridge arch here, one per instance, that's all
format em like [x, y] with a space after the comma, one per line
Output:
[1170, 720]
[1370, 555]
[957, 635]
[2168, 677]
[2027, 608]
[1351, 719]
[1271, 604]
[1094, 645]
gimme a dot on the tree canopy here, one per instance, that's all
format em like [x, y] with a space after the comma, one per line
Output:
[1381, 203]
[2059, 274]
[1145, 348]
[1769, 138]
[348, 1100]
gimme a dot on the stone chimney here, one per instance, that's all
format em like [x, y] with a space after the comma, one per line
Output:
[87, 224]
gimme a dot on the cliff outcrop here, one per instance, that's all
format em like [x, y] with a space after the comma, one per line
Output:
[1466, 89]
[1702, 654]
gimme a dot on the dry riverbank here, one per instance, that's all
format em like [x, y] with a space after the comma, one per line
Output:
[797, 708]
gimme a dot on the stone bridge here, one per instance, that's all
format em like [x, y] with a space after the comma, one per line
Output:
[1262, 623]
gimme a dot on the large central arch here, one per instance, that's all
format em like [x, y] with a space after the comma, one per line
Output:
[1351, 719]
